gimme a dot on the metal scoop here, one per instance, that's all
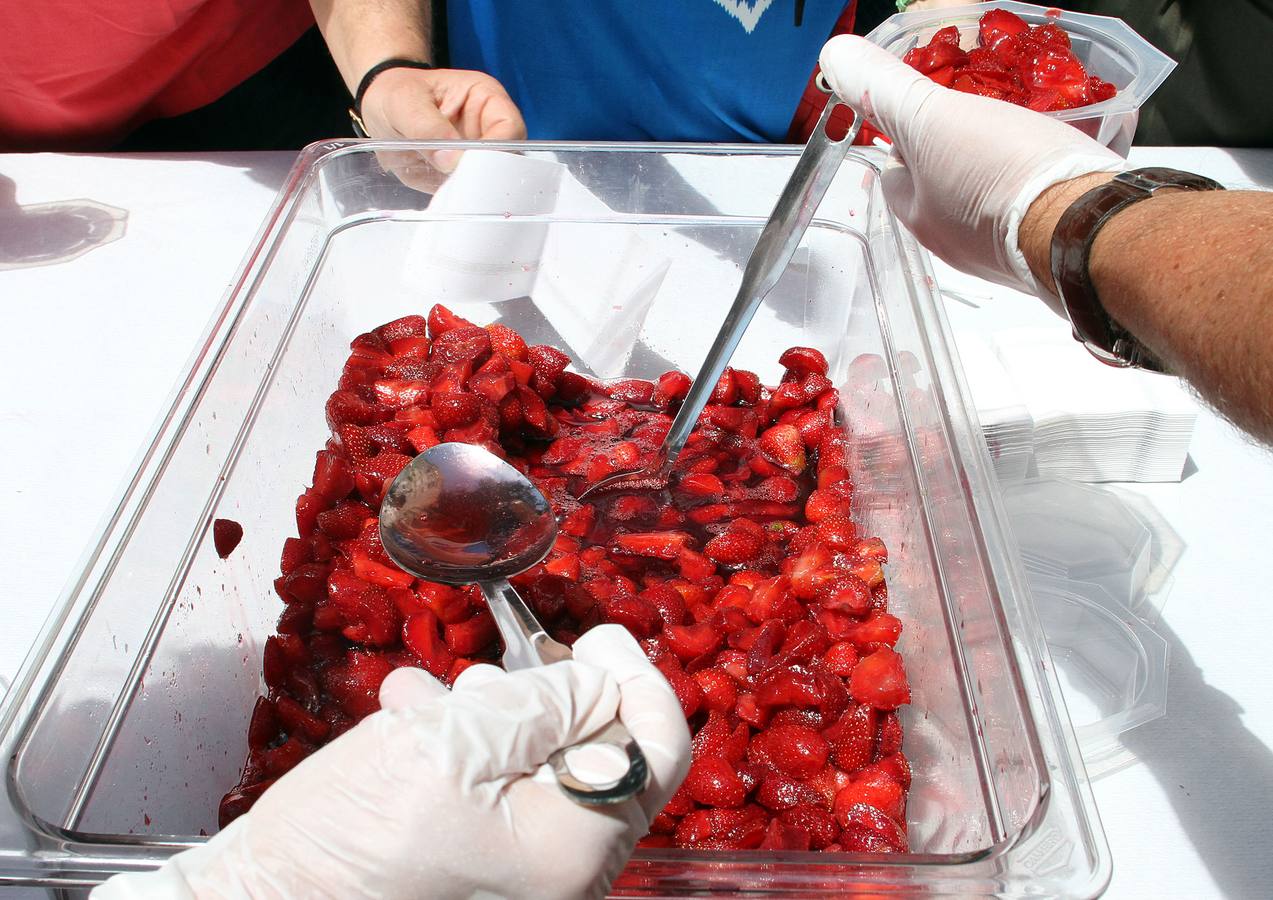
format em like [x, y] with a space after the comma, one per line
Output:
[458, 514]
[787, 224]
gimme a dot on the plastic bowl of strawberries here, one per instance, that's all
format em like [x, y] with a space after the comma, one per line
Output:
[826, 581]
[1094, 72]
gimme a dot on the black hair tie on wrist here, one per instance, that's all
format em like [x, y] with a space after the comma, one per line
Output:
[355, 111]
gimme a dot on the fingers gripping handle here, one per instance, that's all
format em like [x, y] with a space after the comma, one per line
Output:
[616, 742]
[583, 769]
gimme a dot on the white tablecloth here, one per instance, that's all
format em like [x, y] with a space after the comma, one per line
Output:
[91, 348]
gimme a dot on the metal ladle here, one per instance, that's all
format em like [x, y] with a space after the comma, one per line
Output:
[458, 514]
[787, 224]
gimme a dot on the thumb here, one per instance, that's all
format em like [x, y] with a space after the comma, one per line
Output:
[647, 707]
[886, 90]
[409, 687]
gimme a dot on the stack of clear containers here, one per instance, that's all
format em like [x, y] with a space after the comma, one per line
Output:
[129, 719]
[1094, 571]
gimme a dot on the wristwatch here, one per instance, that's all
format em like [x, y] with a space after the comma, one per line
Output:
[1072, 242]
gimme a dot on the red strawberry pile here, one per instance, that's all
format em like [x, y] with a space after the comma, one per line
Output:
[743, 577]
[1028, 66]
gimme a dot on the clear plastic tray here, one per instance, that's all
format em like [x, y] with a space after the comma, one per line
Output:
[1109, 48]
[128, 721]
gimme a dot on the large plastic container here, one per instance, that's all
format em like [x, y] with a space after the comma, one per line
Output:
[129, 720]
[1108, 48]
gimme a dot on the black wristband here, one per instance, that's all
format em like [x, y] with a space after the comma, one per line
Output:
[355, 111]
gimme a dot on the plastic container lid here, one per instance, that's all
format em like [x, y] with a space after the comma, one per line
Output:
[1091, 565]
[1112, 666]
[1081, 533]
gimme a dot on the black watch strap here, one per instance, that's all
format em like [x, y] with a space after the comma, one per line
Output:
[1072, 241]
[355, 111]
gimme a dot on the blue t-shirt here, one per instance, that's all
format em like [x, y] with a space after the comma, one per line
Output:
[652, 70]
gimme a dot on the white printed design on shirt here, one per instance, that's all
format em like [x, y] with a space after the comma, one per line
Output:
[747, 12]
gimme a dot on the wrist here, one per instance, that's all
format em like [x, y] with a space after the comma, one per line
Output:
[1039, 222]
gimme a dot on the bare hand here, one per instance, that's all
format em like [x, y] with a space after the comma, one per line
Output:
[439, 105]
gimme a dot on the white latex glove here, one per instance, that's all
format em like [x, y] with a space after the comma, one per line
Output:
[444, 794]
[966, 167]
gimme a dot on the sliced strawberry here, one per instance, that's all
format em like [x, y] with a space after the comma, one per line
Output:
[658, 545]
[818, 823]
[868, 830]
[713, 782]
[226, 534]
[354, 683]
[875, 789]
[782, 446]
[454, 409]
[843, 592]
[344, 520]
[332, 478]
[739, 544]
[308, 506]
[824, 503]
[852, 738]
[996, 24]
[406, 327]
[778, 792]
[1050, 34]
[507, 342]
[473, 636]
[377, 573]
[795, 750]
[347, 408]
[880, 680]
[877, 628]
[295, 553]
[297, 720]
[367, 614]
[840, 658]
[420, 635]
[692, 641]
[687, 691]
[549, 363]
[494, 386]
[441, 320]
[723, 829]
[720, 692]
[634, 613]
[889, 741]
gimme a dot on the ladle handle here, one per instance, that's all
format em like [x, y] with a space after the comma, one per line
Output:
[526, 644]
[815, 170]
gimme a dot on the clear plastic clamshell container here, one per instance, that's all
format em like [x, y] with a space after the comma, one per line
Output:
[129, 720]
[1108, 48]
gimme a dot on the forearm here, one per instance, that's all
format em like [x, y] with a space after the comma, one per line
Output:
[362, 33]
[1188, 274]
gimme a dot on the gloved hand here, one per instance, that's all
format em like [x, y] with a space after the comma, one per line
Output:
[967, 168]
[444, 794]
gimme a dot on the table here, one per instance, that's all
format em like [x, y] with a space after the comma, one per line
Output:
[112, 329]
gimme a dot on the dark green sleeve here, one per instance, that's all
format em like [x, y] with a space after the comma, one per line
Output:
[1222, 91]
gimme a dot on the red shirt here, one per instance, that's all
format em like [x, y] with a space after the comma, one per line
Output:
[82, 74]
